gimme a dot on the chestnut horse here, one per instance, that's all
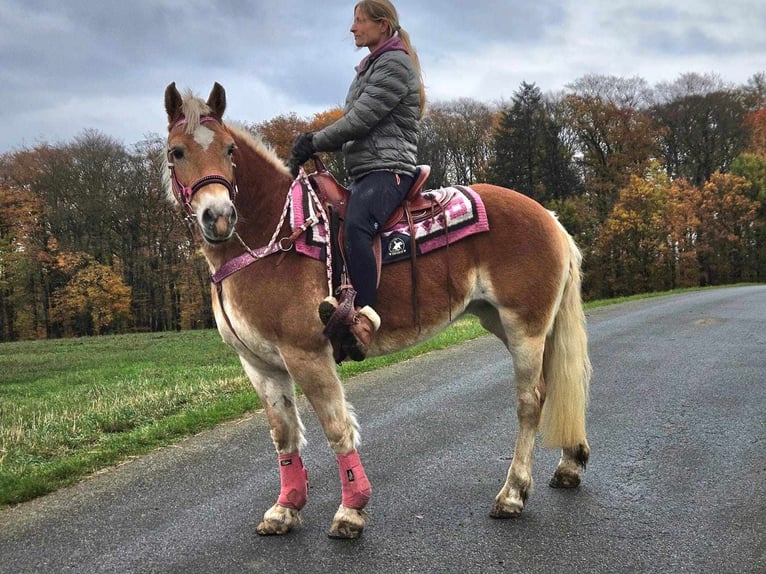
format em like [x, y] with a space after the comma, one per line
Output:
[521, 279]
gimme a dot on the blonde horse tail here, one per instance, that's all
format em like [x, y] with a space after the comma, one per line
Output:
[566, 366]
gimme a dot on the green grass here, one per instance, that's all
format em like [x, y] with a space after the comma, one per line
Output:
[71, 407]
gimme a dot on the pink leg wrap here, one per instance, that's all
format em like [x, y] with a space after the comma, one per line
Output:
[295, 481]
[355, 488]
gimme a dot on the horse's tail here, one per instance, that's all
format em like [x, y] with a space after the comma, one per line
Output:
[566, 366]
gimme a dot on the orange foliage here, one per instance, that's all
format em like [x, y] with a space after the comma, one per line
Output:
[280, 133]
[95, 295]
[323, 119]
[755, 123]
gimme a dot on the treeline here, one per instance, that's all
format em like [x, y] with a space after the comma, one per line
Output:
[662, 187]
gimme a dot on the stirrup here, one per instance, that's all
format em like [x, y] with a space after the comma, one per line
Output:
[364, 325]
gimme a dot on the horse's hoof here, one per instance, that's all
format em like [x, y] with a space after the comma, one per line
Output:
[272, 529]
[506, 510]
[278, 520]
[565, 480]
[348, 524]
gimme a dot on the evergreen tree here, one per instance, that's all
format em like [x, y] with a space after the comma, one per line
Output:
[530, 155]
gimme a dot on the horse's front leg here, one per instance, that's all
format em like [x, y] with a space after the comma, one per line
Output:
[315, 373]
[277, 393]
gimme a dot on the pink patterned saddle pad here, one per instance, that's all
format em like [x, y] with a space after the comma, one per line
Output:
[464, 215]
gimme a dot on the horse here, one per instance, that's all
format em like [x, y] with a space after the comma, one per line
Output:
[521, 278]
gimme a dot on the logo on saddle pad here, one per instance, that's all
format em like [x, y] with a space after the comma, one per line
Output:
[396, 247]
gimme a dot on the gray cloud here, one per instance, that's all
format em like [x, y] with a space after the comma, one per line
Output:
[68, 66]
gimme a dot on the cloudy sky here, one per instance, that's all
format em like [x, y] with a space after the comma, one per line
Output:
[71, 65]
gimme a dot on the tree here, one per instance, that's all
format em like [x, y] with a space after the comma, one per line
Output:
[638, 257]
[281, 132]
[615, 135]
[703, 121]
[530, 155]
[726, 232]
[433, 151]
[25, 255]
[755, 130]
[94, 301]
[457, 141]
[752, 168]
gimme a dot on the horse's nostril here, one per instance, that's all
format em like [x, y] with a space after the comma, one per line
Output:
[209, 218]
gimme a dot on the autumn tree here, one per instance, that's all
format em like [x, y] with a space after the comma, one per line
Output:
[703, 126]
[727, 224]
[751, 165]
[124, 222]
[94, 300]
[281, 132]
[456, 140]
[615, 134]
[24, 260]
[636, 253]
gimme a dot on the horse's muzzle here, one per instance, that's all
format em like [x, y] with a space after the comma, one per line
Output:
[217, 223]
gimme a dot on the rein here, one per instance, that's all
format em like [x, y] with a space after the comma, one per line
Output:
[184, 195]
[275, 245]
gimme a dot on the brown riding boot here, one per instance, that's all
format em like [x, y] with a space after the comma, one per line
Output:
[363, 327]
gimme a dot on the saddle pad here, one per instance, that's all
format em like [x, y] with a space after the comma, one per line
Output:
[464, 215]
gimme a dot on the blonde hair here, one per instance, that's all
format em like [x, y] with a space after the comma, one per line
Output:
[379, 10]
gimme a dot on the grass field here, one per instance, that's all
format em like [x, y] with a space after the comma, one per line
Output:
[71, 407]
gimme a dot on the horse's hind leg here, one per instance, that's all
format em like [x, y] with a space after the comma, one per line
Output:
[530, 393]
[315, 373]
[277, 393]
[569, 470]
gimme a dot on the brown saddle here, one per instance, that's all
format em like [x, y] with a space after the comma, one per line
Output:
[415, 204]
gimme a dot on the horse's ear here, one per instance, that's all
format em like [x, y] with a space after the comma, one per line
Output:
[173, 103]
[216, 101]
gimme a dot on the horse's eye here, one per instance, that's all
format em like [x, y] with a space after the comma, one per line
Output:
[230, 150]
[177, 153]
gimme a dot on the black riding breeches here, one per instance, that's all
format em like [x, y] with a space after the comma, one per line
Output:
[374, 198]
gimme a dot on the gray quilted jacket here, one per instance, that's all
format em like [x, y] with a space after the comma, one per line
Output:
[379, 128]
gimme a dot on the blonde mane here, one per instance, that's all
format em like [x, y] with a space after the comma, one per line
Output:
[258, 144]
[195, 108]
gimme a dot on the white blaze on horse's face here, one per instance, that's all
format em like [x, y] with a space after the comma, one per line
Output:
[204, 136]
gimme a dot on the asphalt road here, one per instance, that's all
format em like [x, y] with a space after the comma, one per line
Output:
[676, 482]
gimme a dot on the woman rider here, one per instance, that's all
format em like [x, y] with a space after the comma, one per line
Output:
[378, 135]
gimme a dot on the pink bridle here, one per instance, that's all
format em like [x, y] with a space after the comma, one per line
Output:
[184, 194]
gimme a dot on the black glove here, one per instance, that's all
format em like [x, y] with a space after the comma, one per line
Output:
[303, 149]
